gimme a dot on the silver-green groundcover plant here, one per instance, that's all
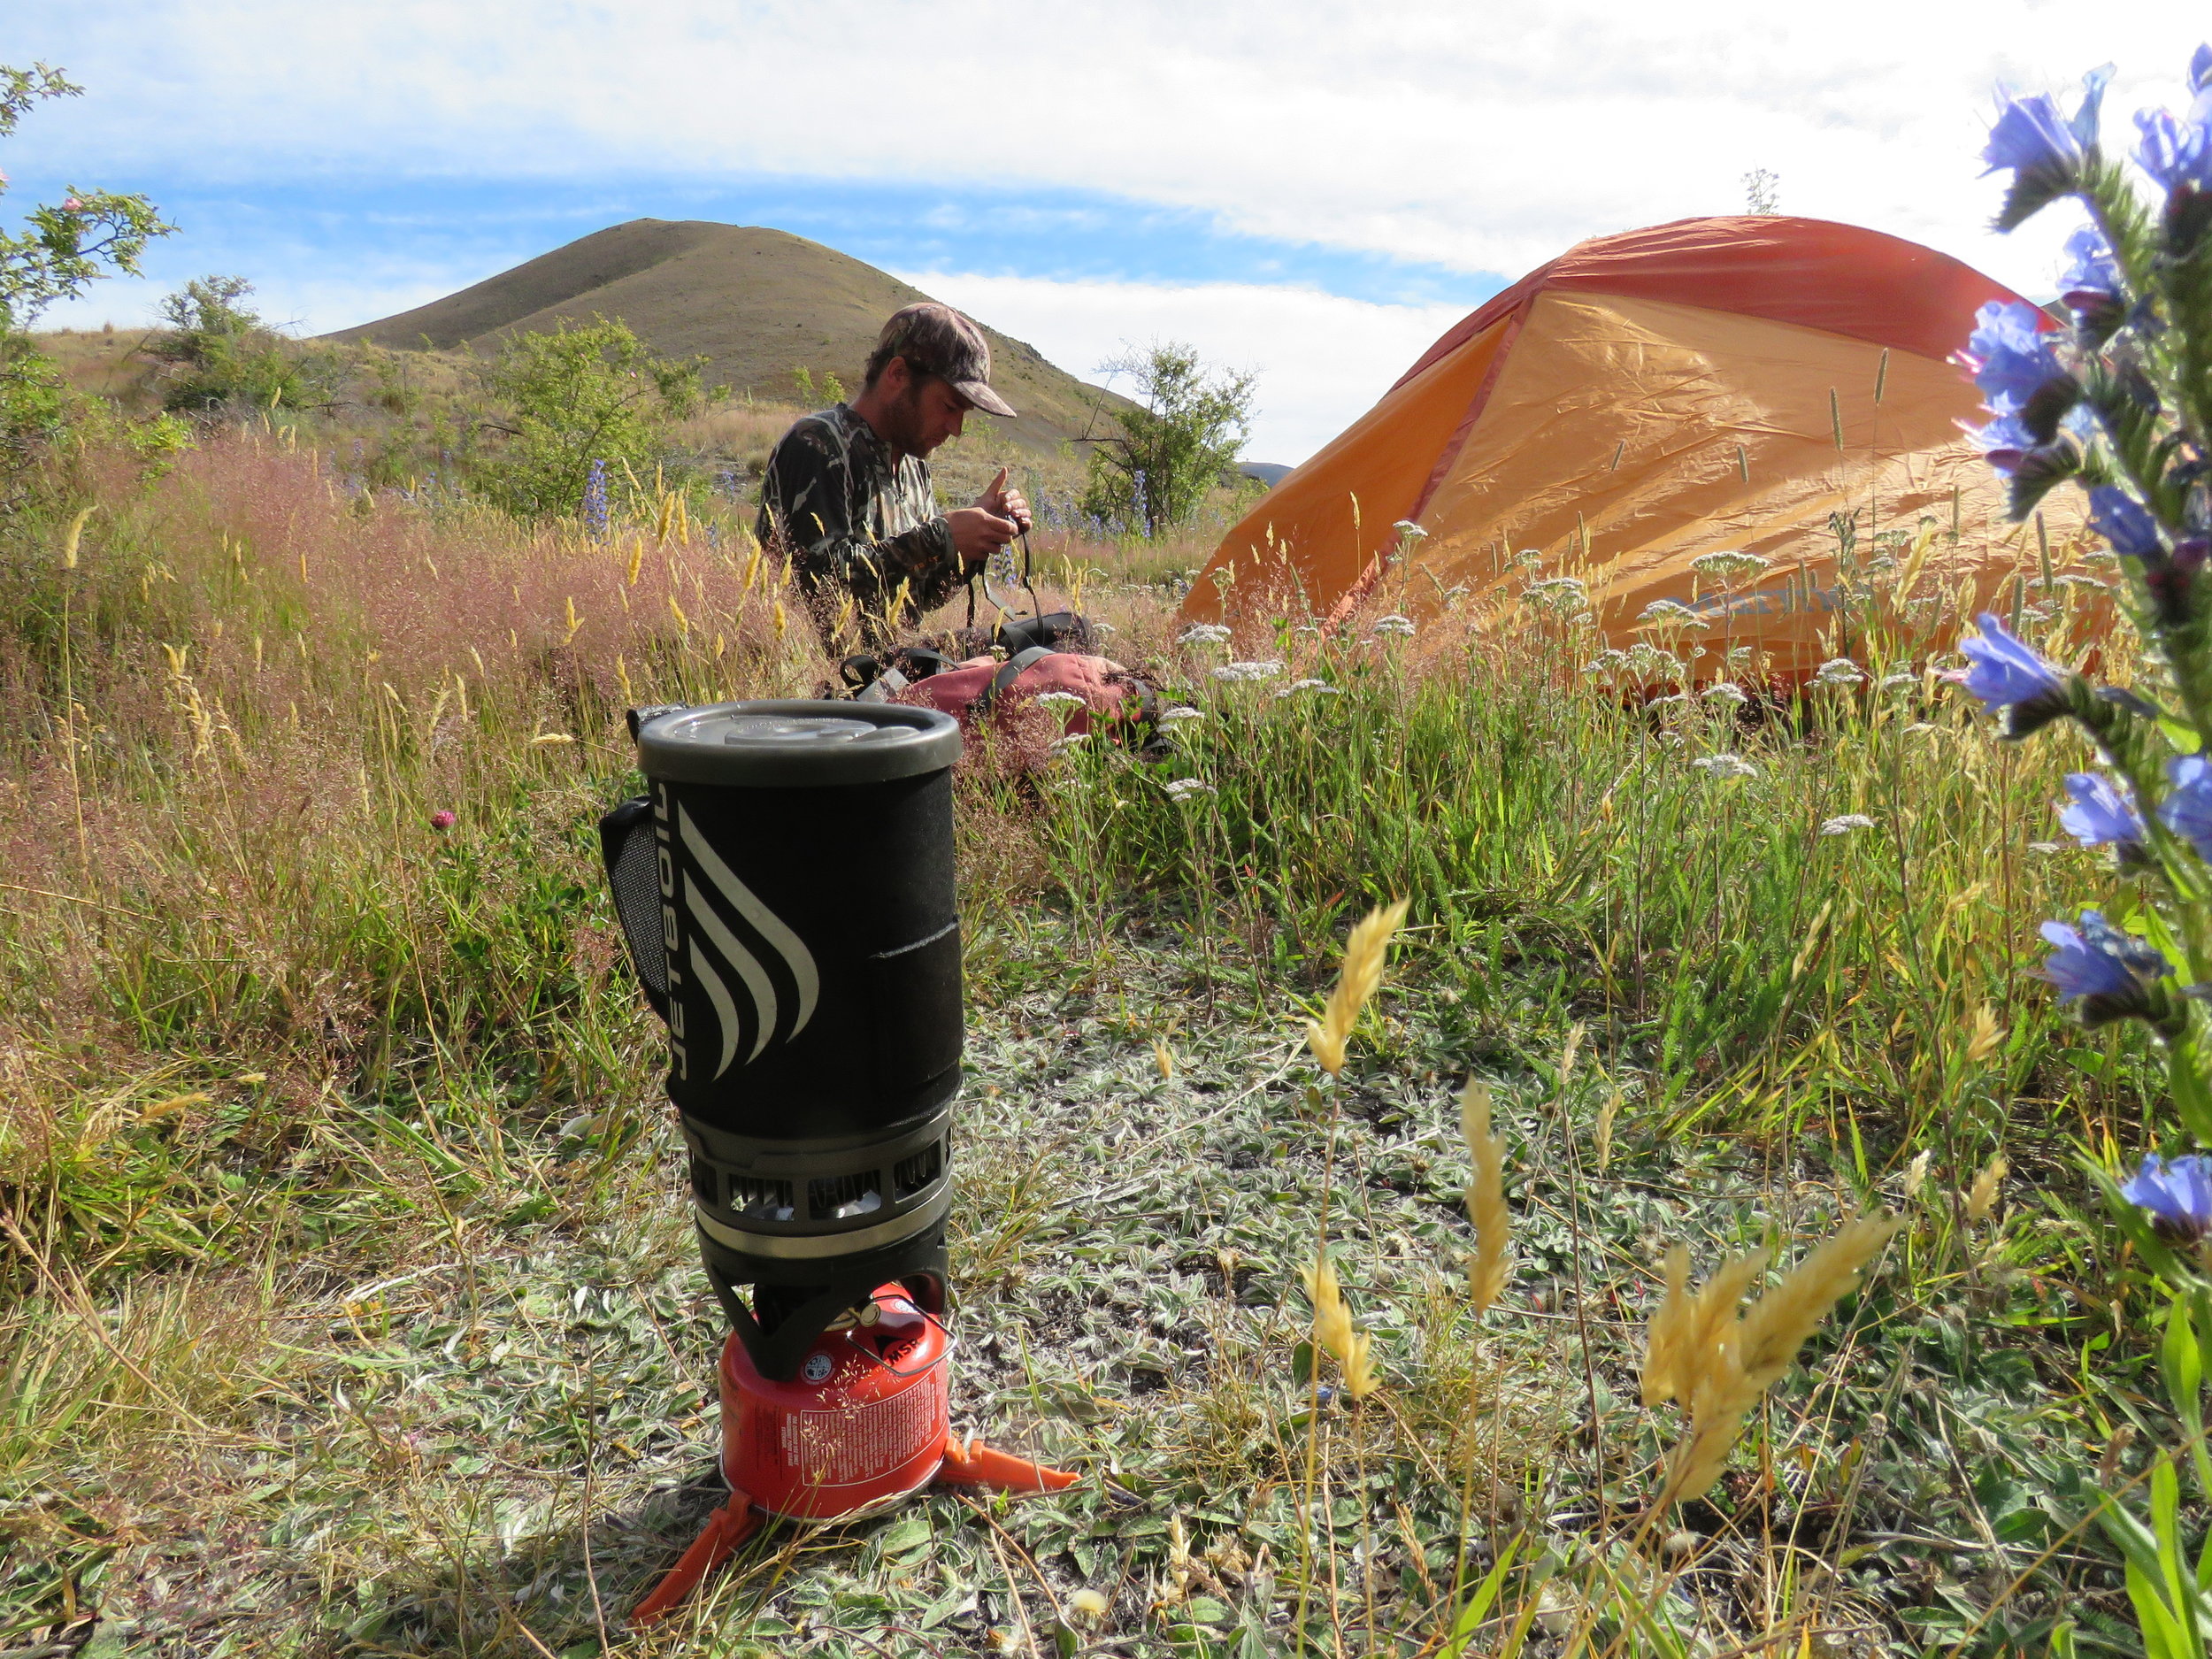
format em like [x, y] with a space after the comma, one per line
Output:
[2121, 403]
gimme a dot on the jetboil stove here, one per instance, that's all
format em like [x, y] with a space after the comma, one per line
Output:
[786, 892]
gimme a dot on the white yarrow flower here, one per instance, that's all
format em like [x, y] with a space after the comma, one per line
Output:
[1244, 672]
[1899, 681]
[1409, 531]
[1320, 686]
[1186, 789]
[1845, 825]
[1394, 623]
[1204, 634]
[1837, 670]
[1182, 711]
[1074, 739]
[1720, 766]
[1726, 691]
[1059, 699]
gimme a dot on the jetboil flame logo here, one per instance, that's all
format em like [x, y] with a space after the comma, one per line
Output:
[718, 955]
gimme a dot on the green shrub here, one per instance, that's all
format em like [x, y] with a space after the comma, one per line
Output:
[576, 396]
[222, 356]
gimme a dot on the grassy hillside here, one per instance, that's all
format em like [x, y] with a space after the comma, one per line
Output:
[757, 303]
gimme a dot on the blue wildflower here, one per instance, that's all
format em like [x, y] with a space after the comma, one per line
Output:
[2010, 356]
[2030, 136]
[2179, 1196]
[2004, 443]
[2010, 678]
[2188, 808]
[2095, 271]
[2177, 154]
[2121, 520]
[2101, 816]
[2109, 972]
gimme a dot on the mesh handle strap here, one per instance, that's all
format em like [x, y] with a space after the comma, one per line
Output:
[626, 848]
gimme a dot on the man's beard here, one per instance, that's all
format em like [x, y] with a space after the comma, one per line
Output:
[903, 422]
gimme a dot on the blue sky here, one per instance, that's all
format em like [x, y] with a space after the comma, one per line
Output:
[1308, 191]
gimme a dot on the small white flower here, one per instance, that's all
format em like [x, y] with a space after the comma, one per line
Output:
[1920, 728]
[1670, 613]
[1408, 531]
[1727, 691]
[1394, 623]
[1845, 825]
[1186, 788]
[1058, 699]
[1720, 766]
[1104, 629]
[1183, 711]
[1319, 687]
[1726, 565]
[1204, 633]
[2047, 847]
[1074, 739]
[1837, 670]
[1899, 681]
[1674, 696]
[1245, 672]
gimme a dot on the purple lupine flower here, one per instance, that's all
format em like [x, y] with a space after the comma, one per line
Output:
[2188, 808]
[2010, 356]
[595, 499]
[2009, 678]
[2121, 520]
[2179, 1196]
[2095, 271]
[2101, 816]
[2108, 970]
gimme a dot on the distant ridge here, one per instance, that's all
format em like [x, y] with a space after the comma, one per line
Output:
[757, 303]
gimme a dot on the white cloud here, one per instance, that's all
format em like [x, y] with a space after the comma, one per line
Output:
[1321, 358]
[1480, 138]
[1428, 130]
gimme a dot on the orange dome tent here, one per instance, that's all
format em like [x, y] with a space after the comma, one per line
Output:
[1648, 398]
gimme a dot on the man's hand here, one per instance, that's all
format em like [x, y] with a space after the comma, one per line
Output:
[978, 532]
[1006, 503]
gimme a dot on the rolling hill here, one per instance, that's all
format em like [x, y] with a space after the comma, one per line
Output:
[757, 303]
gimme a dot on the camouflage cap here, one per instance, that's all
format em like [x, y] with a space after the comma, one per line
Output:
[937, 340]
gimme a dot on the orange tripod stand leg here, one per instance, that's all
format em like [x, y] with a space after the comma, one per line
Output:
[725, 1529]
[976, 1464]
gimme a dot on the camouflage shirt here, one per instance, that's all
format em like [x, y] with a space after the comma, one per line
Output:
[852, 516]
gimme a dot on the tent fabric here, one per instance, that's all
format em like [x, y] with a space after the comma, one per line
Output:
[1648, 398]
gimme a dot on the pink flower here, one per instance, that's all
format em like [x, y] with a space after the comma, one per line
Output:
[70, 204]
[443, 819]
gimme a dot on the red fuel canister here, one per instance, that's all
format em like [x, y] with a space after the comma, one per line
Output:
[861, 1422]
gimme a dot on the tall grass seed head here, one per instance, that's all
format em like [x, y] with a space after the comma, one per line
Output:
[1486, 1195]
[1363, 956]
[1981, 1198]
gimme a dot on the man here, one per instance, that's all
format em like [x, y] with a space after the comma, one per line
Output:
[848, 500]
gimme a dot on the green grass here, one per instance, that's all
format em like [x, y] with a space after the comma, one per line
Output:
[351, 1303]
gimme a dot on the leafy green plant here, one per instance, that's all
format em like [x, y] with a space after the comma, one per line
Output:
[223, 356]
[577, 396]
[1174, 448]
